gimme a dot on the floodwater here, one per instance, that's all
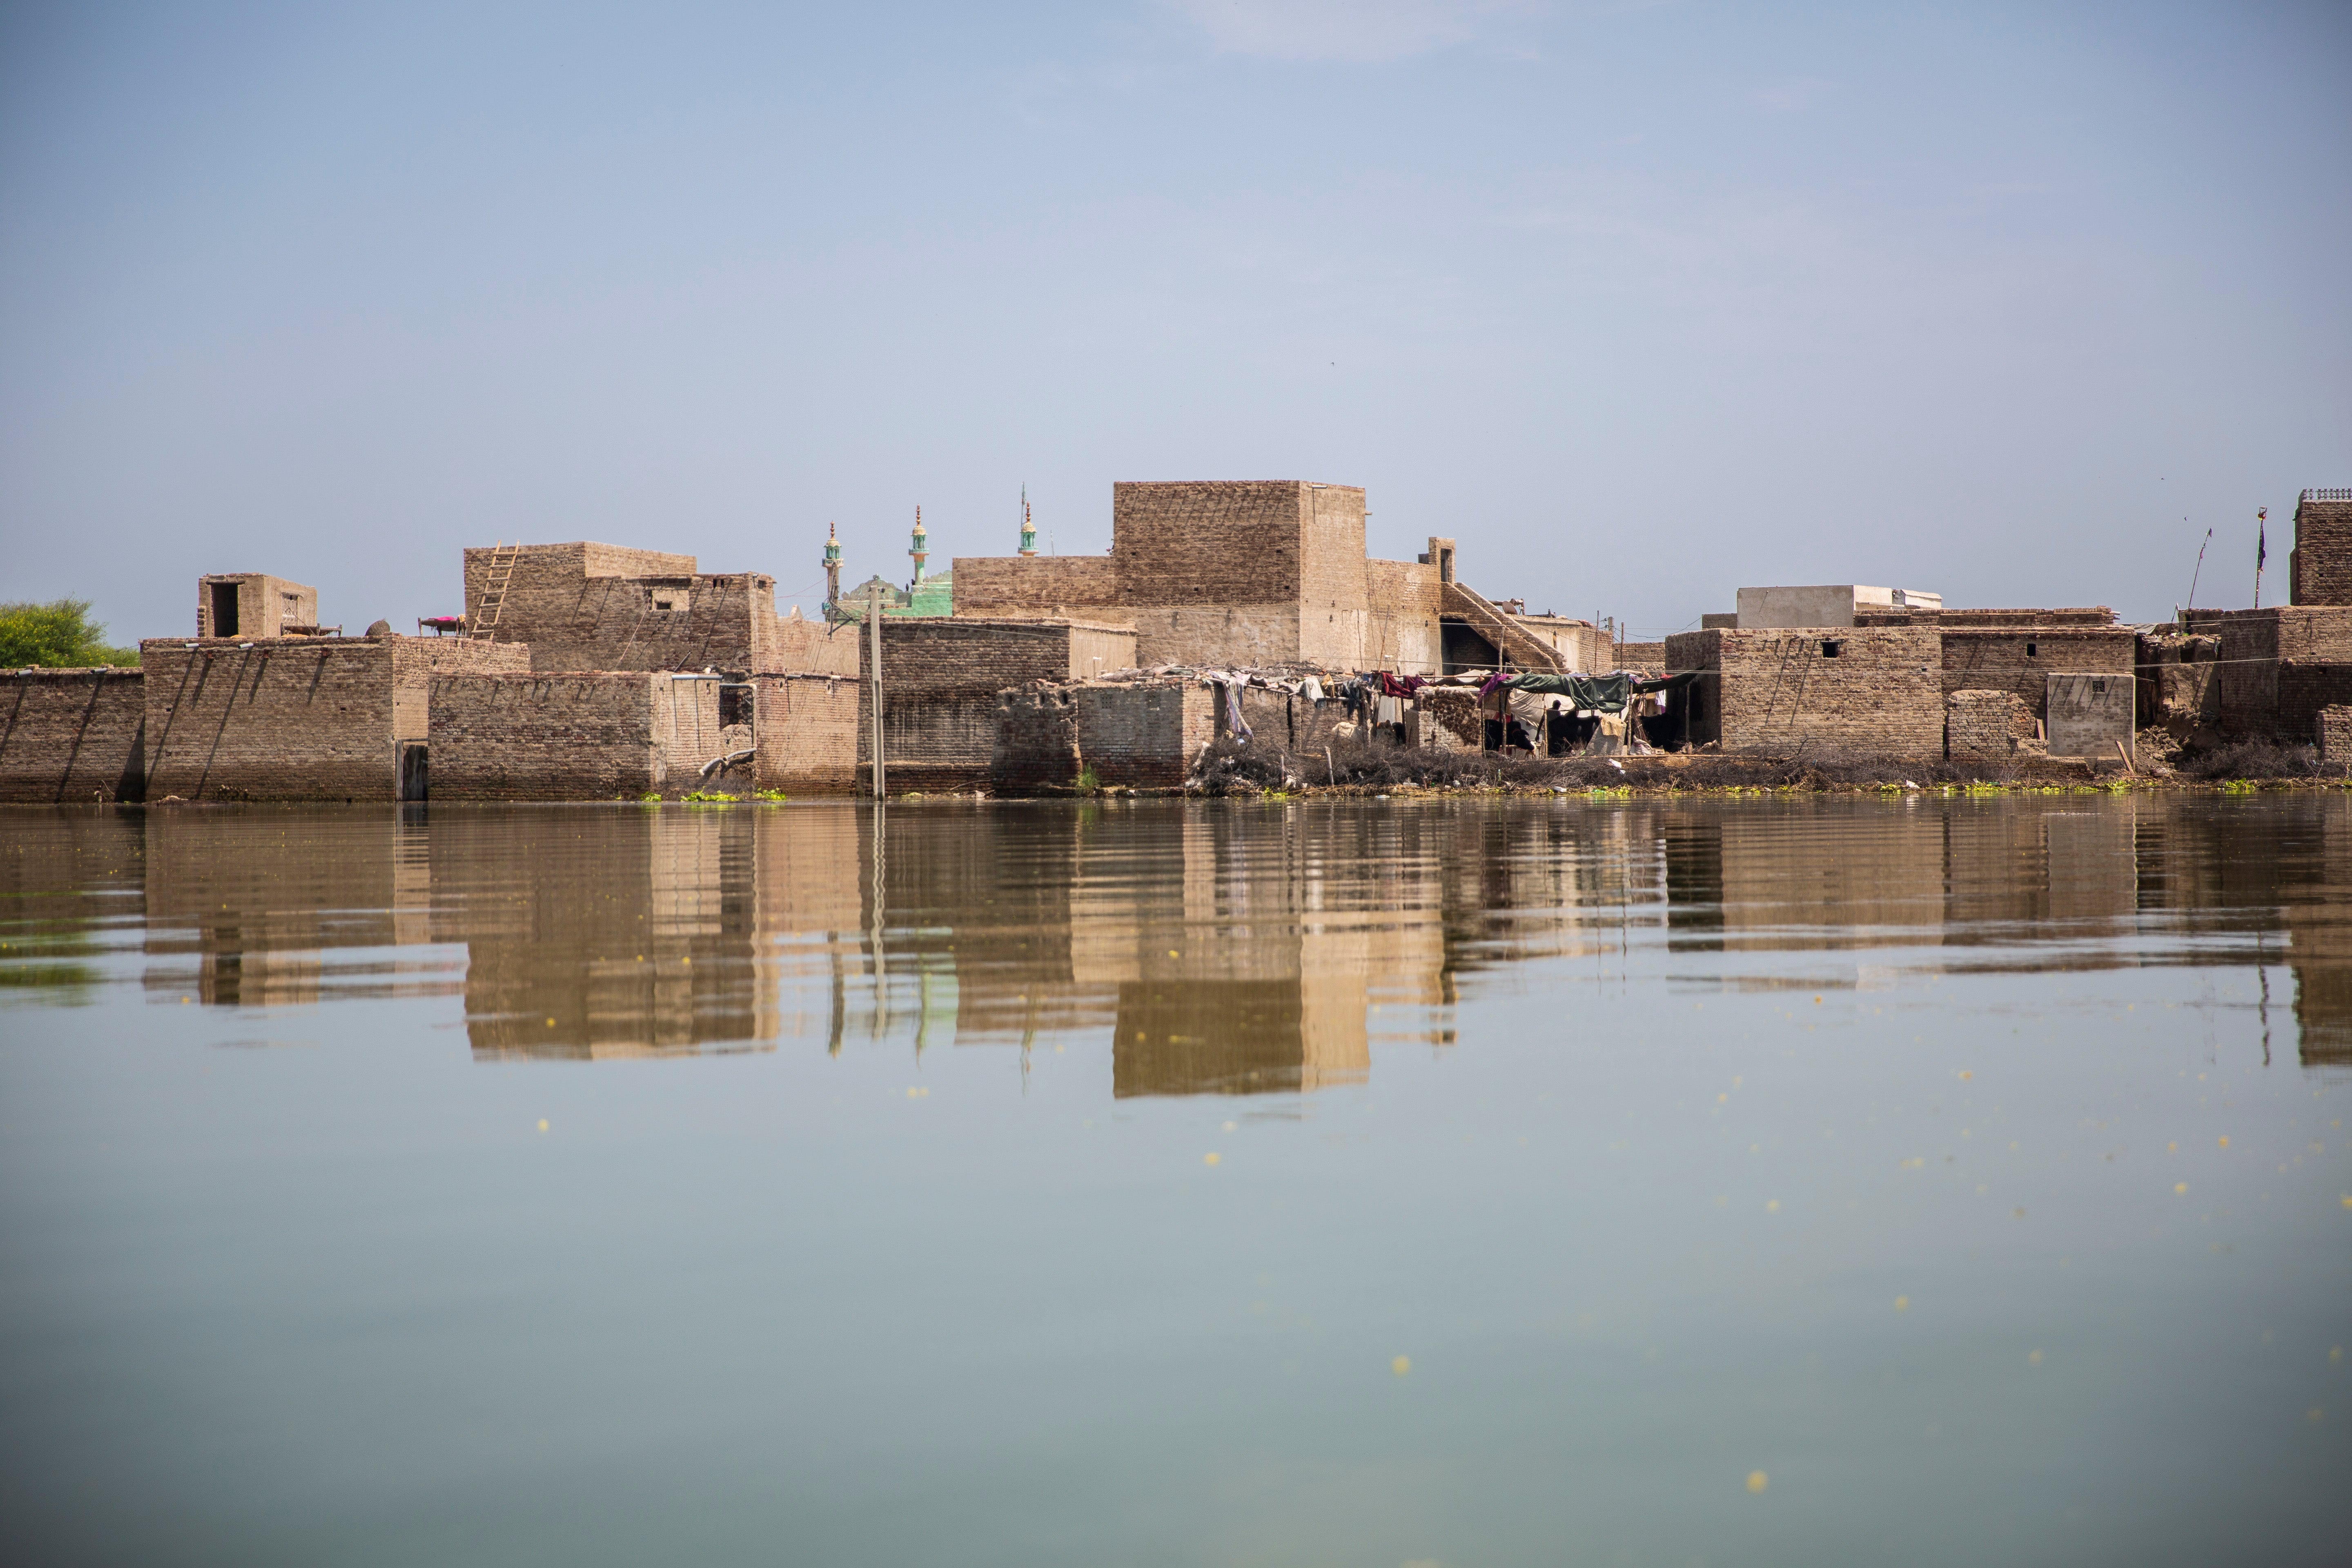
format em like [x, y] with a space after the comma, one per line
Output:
[1467, 1182]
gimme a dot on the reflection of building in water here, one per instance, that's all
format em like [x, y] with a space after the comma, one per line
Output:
[594, 934]
[239, 917]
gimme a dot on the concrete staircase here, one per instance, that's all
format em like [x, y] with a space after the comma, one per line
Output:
[1520, 647]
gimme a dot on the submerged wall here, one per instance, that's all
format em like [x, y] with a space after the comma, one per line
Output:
[582, 735]
[73, 735]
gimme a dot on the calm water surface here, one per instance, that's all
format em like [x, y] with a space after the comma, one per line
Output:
[1404, 1182]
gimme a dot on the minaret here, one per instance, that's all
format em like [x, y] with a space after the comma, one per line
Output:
[832, 565]
[922, 547]
[1028, 528]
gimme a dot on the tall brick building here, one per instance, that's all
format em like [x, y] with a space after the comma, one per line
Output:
[2319, 569]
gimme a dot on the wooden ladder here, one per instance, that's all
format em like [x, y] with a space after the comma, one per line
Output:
[494, 592]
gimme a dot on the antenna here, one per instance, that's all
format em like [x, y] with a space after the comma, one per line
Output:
[2201, 567]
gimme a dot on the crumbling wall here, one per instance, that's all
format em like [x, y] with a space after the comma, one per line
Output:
[576, 736]
[1450, 719]
[2334, 737]
[1036, 745]
[940, 677]
[2319, 568]
[2178, 684]
[2089, 715]
[73, 735]
[1985, 723]
[1143, 737]
[806, 731]
[1868, 689]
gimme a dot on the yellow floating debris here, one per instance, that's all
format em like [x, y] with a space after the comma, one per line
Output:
[1757, 1482]
[1901, 1303]
[1402, 1367]
[1210, 1158]
[542, 1124]
[2034, 1358]
[2180, 1188]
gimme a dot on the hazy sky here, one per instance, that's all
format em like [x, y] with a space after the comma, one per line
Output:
[1641, 302]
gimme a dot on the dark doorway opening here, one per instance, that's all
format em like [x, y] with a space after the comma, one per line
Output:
[223, 609]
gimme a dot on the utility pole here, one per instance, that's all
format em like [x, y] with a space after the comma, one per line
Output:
[874, 668]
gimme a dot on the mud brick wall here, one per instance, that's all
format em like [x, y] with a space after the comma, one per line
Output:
[1210, 542]
[2085, 715]
[1334, 578]
[797, 646]
[2335, 727]
[940, 677]
[806, 731]
[1881, 691]
[73, 735]
[415, 660]
[292, 719]
[2279, 666]
[1036, 747]
[1027, 585]
[1985, 723]
[1144, 737]
[576, 736]
[2178, 681]
[2319, 568]
[686, 717]
[2022, 659]
[1401, 633]
[1450, 719]
[1641, 656]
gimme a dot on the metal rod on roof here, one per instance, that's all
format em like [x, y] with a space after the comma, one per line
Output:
[873, 624]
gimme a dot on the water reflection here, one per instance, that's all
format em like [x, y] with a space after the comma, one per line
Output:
[1224, 949]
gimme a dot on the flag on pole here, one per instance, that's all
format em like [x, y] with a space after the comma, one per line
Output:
[2262, 549]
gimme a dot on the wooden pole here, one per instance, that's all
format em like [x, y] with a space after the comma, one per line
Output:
[874, 665]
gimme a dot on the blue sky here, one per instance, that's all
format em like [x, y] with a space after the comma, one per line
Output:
[1640, 302]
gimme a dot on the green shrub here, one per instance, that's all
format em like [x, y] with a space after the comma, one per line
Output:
[58, 635]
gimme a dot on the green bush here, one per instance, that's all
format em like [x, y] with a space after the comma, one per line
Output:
[58, 635]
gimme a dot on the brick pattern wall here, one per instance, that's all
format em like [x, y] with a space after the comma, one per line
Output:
[73, 735]
[2022, 659]
[1035, 585]
[2319, 568]
[1881, 691]
[1640, 656]
[806, 727]
[1450, 720]
[1036, 745]
[1985, 723]
[1210, 542]
[1404, 598]
[1144, 737]
[293, 719]
[573, 736]
[2335, 727]
[798, 646]
[940, 678]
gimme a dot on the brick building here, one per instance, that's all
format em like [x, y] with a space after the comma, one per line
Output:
[296, 718]
[73, 735]
[584, 606]
[2278, 668]
[1260, 572]
[250, 605]
[2319, 568]
[1877, 688]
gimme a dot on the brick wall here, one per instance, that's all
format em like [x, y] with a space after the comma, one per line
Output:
[1985, 723]
[1144, 737]
[578, 735]
[73, 735]
[2319, 568]
[2086, 714]
[2177, 679]
[1881, 691]
[798, 646]
[807, 730]
[1640, 656]
[940, 677]
[2279, 666]
[1334, 618]
[1030, 585]
[293, 719]
[1210, 542]
[2022, 659]
[1404, 598]
[2335, 727]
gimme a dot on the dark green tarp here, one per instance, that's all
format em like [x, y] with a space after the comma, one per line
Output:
[1600, 693]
